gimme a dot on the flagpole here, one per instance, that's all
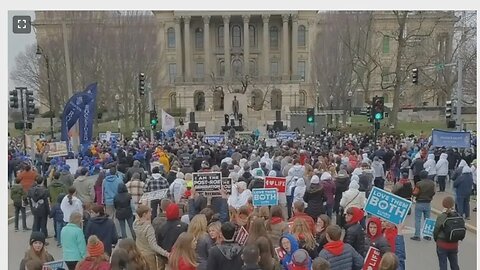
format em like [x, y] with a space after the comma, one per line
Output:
[151, 108]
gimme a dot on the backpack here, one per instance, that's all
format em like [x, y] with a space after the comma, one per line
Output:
[454, 227]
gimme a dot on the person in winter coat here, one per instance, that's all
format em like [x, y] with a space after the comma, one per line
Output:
[445, 249]
[430, 166]
[314, 198]
[354, 232]
[298, 213]
[70, 203]
[178, 187]
[299, 192]
[342, 181]
[84, 187]
[258, 179]
[276, 225]
[110, 190]
[73, 241]
[19, 198]
[66, 178]
[323, 221]
[240, 195]
[340, 255]
[55, 188]
[146, 241]
[227, 255]
[169, 232]
[103, 227]
[27, 177]
[442, 171]
[156, 182]
[305, 238]
[198, 228]
[375, 236]
[423, 192]
[57, 215]
[366, 179]
[183, 256]
[135, 169]
[40, 207]
[123, 210]
[378, 172]
[403, 187]
[353, 197]
[267, 261]
[36, 251]
[328, 187]
[98, 187]
[288, 245]
[294, 173]
[96, 260]
[417, 167]
[463, 189]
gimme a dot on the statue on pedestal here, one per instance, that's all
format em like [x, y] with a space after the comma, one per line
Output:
[235, 107]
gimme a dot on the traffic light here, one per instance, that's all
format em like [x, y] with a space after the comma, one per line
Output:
[448, 114]
[30, 105]
[153, 119]
[378, 108]
[415, 76]
[369, 113]
[141, 84]
[310, 115]
[14, 99]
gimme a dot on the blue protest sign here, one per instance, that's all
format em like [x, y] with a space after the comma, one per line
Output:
[286, 135]
[441, 138]
[388, 206]
[214, 139]
[428, 227]
[54, 265]
[109, 136]
[264, 197]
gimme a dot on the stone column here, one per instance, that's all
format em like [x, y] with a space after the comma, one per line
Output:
[294, 45]
[226, 46]
[188, 49]
[285, 56]
[310, 43]
[266, 48]
[178, 50]
[206, 43]
[161, 41]
[246, 44]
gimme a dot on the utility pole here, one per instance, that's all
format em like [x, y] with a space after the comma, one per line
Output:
[150, 108]
[460, 75]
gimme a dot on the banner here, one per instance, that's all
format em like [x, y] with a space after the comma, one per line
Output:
[168, 122]
[87, 117]
[154, 195]
[386, 205]
[72, 112]
[276, 182]
[242, 236]
[372, 260]
[271, 142]
[264, 197]
[428, 227]
[214, 139]
[53, 265]
[57, 149]
[107, 136]
[441, 138]
[286, 135]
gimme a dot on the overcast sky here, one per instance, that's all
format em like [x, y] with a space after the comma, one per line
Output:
[17, 42]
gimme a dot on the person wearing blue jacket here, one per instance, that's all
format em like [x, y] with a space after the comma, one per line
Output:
[73, 242]
[288, 244]
[103, 227]
[463, 186]
[110, 190]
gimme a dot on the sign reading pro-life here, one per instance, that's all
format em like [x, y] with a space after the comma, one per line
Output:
[388, 206]
[210, 183]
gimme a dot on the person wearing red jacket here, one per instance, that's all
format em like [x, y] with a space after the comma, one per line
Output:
[390, 232]
[375, 236]
[354, 233]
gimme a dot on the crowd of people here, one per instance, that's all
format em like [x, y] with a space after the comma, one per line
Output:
[319, 222]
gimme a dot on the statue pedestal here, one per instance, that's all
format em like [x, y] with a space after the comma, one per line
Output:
[242, 104]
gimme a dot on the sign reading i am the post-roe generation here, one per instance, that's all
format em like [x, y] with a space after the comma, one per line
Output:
[207, 182]
[264, 197]
[388, 206]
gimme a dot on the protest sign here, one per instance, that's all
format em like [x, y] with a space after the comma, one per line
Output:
[73, 163]
[280, 253]
[210, 183]
[264, 197]
[276, 182]
[428, 227]
[57, 149]
[271, 142]
[214, 139]
[154, 195]
[242, 236]
[388, 206]
[286, 135]
[372, 260]
[442, 138]
[53, 265]
[107, 136]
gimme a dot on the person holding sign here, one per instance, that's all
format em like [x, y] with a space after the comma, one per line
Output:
[375, 237]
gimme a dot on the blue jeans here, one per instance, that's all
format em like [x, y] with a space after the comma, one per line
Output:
[463, 205]
[421, 208]
[451, 255]
[58, 230]
[123, 228]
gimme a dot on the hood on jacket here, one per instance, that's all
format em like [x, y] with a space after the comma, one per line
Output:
[99, 220]
[272, 173]
[443, 156]
[301, 182]
[431, 157]
[230, 251]
[334, 247]
[314, 179]
[355, 178]
[325, 176]
[56, 183]
[38, 193]
[357, 215]
[276, 166]
[111, 178]
[378, 222]
[462, 163]
[466, 169]
[354, 185]
[122, 188]
[296, 170]
[293, 242]
[172, 212]
[156, 176]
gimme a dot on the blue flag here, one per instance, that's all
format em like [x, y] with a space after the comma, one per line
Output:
[86, 118]
[72, 112]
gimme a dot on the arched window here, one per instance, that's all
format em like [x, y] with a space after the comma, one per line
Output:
[276, 99]
[199, 101]
[171, 37]
[252, 69]
[237, 67]
[302, 36]
[220, 36]
[218, 100]
[273, 37]
[257, 100]
[173, 100]
[199, 38]
[221, 68]
[302, 98]
[236, 36]
[252, 36]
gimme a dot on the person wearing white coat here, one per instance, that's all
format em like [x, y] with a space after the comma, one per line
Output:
[70, 204]
[299, 191]
[177, 187]
[429, 166]
[268, 161]
[353, 197]
[240, 195]
[442, 171]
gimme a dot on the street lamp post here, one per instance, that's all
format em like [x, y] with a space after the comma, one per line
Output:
[117, 99]
[350, 94]
[40, 52]
[331, 108]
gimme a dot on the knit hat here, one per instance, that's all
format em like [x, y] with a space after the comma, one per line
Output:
[96, 249]
[180, 175]
[300, 259]
[314, 180]
[342, 173]
[37, 236]
[326, 176]
[172, 212]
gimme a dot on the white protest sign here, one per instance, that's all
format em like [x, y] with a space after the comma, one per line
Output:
[154, 195]
[73, 163]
